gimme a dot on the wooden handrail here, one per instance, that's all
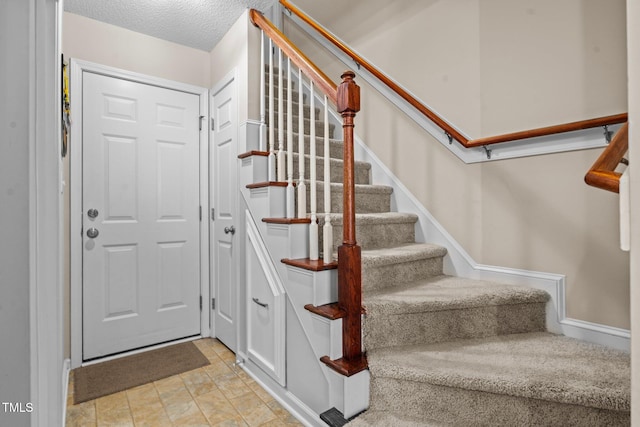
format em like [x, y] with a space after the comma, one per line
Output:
[549, 130]
[439, 121]
[602, 174]
[320, 79]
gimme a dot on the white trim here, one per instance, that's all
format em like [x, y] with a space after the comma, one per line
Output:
[570, 141]
[66, 370]
[77, 67]
[45, 208]
[205, 224]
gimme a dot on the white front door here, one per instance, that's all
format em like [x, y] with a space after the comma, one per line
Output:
[141, 215]
[224, 274]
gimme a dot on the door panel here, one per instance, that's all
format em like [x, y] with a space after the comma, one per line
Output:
[141, 280]
[224, 112]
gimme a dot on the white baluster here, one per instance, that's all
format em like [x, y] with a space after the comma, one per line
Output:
[263, 136]
[302, 190]
[313, 227]
[281, 169]
[272, 124]
[327, 230]
[290, 189]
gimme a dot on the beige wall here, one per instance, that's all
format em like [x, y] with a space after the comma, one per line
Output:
[548, 62]
[237, 50]
[106, 44]
[488, 67]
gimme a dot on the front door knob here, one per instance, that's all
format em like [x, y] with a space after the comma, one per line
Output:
[92, 233]
[231, 230]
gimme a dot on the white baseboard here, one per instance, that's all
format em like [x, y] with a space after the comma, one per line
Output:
[66, 369]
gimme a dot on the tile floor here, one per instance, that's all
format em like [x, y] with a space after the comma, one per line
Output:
[219, 394]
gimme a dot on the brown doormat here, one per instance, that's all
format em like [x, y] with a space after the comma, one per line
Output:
[101, 379]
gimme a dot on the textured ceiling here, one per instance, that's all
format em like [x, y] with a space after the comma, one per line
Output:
[196, 23]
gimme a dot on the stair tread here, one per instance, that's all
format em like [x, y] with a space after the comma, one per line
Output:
[359, 188]
[374, 218]
[334, 161]
[448, 293]
[401, 253]
[296, 136]
[537, 365]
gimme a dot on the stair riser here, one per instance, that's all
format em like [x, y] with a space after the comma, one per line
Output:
[374, 236]
[365, 202]
[335, 147]
[295, 96]
[319, 126]
[361, 172]
[454, 406]
[448, 325]
[295, 107]
[375, 277]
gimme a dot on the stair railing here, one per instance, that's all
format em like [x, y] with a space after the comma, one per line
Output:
[346, 98]
[602, 174]
[450, 130]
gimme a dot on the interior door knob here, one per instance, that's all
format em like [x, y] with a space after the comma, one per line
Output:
[92, 233]
[231, 230]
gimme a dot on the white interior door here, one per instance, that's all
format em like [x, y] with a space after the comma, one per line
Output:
[141, 219]
[224, 274]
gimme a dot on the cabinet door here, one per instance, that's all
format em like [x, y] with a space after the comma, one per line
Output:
[266, 305]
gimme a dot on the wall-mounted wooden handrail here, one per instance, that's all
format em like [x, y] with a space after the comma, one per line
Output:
[602, 174]
[549, 130]
[320, 79]
[439, 121]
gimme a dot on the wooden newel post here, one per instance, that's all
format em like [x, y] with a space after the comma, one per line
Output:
[349, 258]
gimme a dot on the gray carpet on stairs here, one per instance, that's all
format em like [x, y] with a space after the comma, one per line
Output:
[535, 365]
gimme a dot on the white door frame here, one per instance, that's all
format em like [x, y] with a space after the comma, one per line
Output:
[77, 68]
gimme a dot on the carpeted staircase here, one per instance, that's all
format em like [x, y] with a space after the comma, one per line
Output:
[446, 350]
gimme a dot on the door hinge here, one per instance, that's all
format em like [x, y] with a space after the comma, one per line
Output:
[213, 214]
[200, 302]
[200, 213]
[213, 303]
[200, 122]
[213, 122]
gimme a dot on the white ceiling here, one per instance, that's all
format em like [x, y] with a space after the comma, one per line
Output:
[196, 23]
